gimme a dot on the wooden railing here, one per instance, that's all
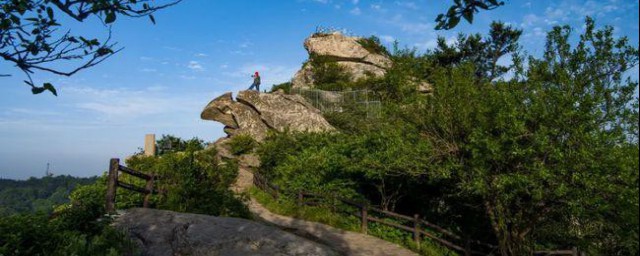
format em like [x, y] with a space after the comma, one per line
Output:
[418, 227]
[113, 183]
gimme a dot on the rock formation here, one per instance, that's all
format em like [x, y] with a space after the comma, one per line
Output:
[350, 54]
[345, 51]
[159, 233]
[256, 113]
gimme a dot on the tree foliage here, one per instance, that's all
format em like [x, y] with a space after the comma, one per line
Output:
[37, 194]
[192, 180]
[484, 53]
[545, 157]
[464, 9]
[76, 228]
[32, 38]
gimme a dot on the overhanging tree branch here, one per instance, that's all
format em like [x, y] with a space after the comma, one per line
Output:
[29, 35]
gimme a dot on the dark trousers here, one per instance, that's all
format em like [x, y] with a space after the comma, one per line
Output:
[257, 86]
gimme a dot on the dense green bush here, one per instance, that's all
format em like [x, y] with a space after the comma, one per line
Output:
[242, 144]
[378, 162]
[193, 181]
[76, 228]
[38, 234]
[170, 144]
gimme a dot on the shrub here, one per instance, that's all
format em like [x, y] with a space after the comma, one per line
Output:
[327, 73]
[194, 181]
[372, 45]
[286, 87]
[73, 230]
[242, 144]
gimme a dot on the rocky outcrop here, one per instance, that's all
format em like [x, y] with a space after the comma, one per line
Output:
[256, 113]
[159, 233]
[345, 51]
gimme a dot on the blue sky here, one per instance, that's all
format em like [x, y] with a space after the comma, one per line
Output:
[199, 49]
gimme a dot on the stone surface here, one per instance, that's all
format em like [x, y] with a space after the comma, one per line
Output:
[256, 113]
[346, 52]
[344, 47]
[160, 233]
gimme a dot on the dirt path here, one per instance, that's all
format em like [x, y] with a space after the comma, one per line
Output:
[347, 242]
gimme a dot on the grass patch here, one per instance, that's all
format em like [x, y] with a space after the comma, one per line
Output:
[288, 207]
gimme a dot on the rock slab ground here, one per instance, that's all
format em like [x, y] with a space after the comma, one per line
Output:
[160, 233]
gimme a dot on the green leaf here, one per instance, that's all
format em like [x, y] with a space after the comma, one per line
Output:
[49, 86]
[37, 90]
[45, 87]
[50, 13]
[111, 17]
[453, 22]
[468, 15]
[482, 5]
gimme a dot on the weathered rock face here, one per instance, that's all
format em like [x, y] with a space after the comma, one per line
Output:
[159, 233]
[346, 52]
[256, 113]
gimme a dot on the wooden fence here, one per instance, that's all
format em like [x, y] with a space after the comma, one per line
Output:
[113, 183]
[418, 227]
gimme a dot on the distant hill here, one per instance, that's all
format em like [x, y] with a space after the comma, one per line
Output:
[37, 194]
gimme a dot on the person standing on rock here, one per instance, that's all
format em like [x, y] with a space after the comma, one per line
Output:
[256, 81]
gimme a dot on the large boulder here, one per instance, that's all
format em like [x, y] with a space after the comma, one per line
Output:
[256, 113]
[347, 52]
[159, 233]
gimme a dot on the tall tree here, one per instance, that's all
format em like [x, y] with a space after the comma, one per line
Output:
[483, 53]
[554, 149]
[32, 38]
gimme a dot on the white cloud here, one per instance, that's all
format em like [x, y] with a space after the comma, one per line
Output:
[432, 43]
[408, 5]
[356, 11]
[201, 54]
[246, 44]
[387, 38]
[194, 65]
[126, 104]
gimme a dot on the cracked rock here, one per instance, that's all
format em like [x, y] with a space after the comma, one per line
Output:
[159, 232]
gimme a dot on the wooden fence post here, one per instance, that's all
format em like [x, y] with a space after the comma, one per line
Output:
[149, 188]
[574, 251]
[112, 182]
[363, 214]
[416, 229]
[277, 192]
[300, 198]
